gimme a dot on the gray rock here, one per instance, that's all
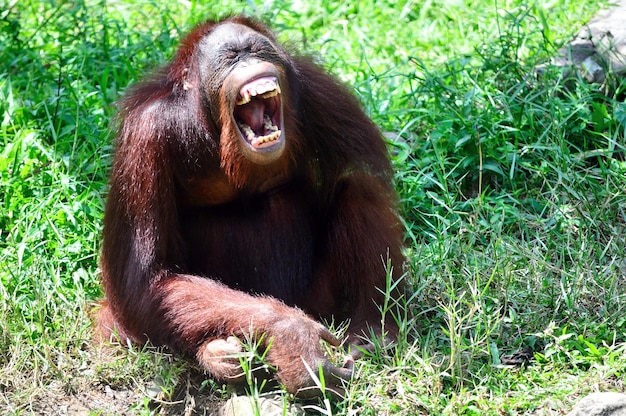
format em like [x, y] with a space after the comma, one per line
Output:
[599, 47]
[601, 404]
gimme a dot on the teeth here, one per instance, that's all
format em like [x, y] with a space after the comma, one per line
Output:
[266, 139]
[266, 89]
[270, 94]
[245, 99]
[247, 131]
[256, 141]
[268, 125]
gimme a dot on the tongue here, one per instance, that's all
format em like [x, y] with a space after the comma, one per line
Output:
[252, 115]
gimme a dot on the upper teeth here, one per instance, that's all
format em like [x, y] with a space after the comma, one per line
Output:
[266, 88]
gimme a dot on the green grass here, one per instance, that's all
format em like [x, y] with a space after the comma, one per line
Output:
[512, 189]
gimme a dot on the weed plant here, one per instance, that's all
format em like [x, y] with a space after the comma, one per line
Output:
[511, 178]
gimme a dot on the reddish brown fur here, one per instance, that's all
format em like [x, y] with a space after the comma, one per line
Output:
[201, 244]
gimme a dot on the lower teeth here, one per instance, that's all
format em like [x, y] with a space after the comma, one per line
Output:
[253, 139]
[269, 138]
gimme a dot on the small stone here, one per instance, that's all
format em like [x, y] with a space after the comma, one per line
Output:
[266, 405]
[601, 404]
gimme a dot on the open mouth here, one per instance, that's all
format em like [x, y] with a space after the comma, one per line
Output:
[258, 112]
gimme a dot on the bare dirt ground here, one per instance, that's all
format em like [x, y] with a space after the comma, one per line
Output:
[102, 399]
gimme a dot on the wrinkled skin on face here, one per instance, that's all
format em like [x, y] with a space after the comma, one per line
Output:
[251, 87]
